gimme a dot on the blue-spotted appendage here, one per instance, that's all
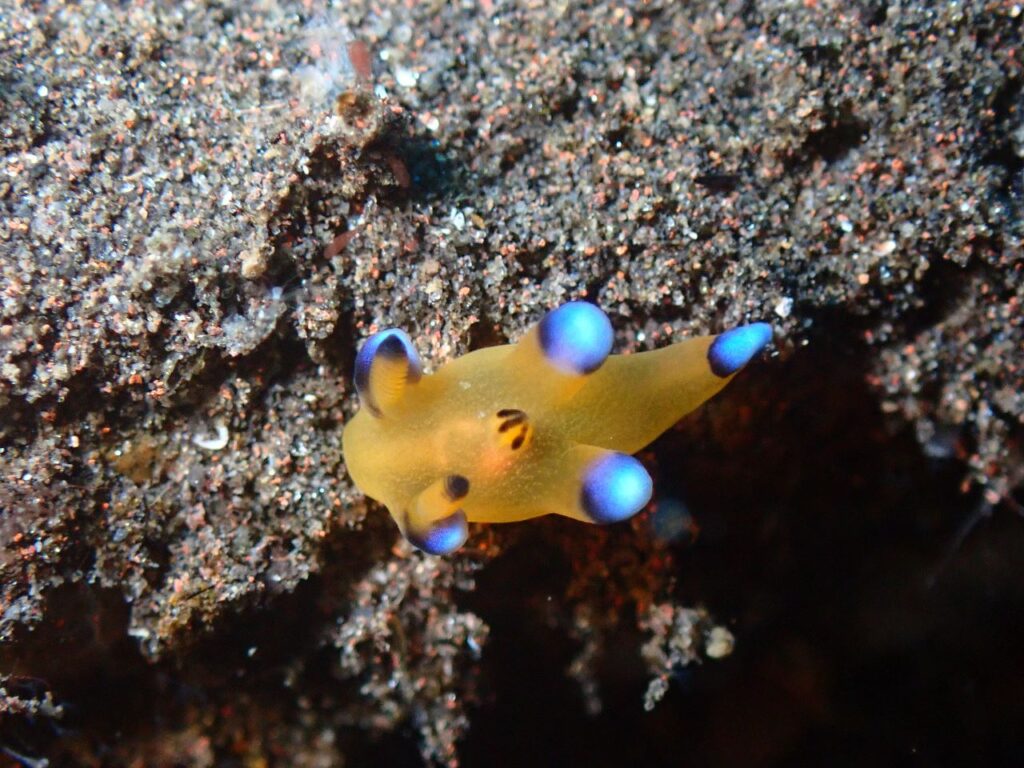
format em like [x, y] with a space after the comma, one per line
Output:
[734, 349]
[546, 425]
[576, 338]
[386, 363]
[443, 536]
[615, 487]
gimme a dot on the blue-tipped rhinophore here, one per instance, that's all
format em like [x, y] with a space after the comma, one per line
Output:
[577, 337]
[392, 343]
[734, 349]
[615, 487]
[444, 536]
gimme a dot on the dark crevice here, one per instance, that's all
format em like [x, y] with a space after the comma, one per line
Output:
[842, 133]
[596, 285]
[279, 356]
[250, 659]
[484, 333]
[419, 169]
[516, 149]
[744, 87]
[818, 528]
[751, 15]
[566, 104]
[821, 55]
[997, 146]
[618, 138]
[942, 289]
[874, 13]
[339, 348]
[718, 183]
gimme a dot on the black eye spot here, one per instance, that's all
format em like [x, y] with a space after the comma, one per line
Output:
[456, 487]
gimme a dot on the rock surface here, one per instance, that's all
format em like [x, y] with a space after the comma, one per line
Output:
[205, 208]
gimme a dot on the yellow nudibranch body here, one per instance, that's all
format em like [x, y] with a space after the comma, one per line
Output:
[546, 425]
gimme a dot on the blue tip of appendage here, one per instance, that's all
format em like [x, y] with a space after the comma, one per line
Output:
[577, 337]
[444, 536]
[390, 343]
[615, 487]
[734, 349]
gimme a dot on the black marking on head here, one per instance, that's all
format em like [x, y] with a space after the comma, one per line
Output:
[456, 487]
[512, 418]
[515, 417]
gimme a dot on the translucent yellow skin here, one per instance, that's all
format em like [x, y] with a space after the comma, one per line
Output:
[422, 431]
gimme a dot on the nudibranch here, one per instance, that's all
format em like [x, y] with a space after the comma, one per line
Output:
[546, 425]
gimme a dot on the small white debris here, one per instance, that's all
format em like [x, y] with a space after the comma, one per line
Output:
[430, 122]
[403, 34]
[784, 307]
[885, 247]
[406, 77]
[209, 442]
[720, 643]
